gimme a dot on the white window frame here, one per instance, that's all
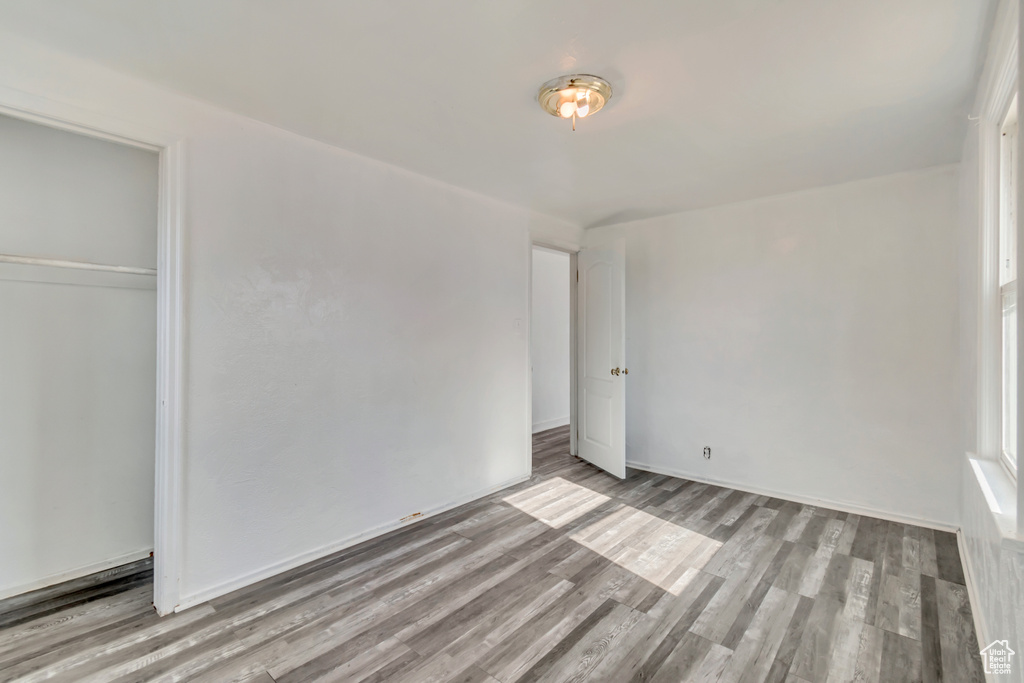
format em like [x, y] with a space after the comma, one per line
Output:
[1007, 278]
[996, 92]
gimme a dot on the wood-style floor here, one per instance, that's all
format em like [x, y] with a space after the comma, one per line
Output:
[571, 576]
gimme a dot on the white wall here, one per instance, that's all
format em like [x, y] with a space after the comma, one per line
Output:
[549, 337]
[78, 378]
[809, 339]
[354, 356]
[353, 349]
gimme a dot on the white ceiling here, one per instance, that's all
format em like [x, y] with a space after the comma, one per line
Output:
[714, 100]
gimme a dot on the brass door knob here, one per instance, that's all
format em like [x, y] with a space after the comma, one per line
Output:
[625, 371]
[615, 371]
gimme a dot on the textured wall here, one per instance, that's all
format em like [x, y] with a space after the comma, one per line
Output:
[354, 355]
[809, 339]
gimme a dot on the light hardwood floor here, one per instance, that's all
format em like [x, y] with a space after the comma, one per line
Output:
[571, 576]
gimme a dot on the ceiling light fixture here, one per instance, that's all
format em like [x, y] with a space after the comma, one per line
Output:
[577, 95]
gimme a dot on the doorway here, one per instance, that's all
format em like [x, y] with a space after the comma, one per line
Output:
[597, 349]
[78, 289]
[553, 341]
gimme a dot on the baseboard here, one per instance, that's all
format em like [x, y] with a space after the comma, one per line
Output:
[325, 550]
[550, 424]
[972, 590]
[73, 574]
[805, 500]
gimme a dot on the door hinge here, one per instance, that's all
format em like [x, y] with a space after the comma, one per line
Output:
[577, 276]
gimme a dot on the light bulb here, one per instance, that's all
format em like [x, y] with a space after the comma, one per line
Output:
[567, 109]
[582, 107]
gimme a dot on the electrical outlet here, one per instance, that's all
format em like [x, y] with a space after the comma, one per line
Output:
[707, 452]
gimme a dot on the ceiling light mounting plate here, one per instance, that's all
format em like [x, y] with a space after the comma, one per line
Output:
[575, 95]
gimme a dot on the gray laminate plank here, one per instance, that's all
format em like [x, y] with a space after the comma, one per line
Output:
[874, 593]
[674, 626]
[713, 666]
[794, 532]
[901, 659]
[820, 562]
[848, 534]
[811, 535]
[931, 646]
[814, 655]
[961, 660]
[911, 547]
[790, 643]
[947, 557]
[926, 548]
[261, 677]
[474, 675]
[669, 618]
[751, 533]
[587, 653]
[835, 580]
[755, 653]
[687, 655]
[740, 584]
[869, 541]
[369, 662]
[563, 644]
[522, 587]
[791, 574]
[724, 532]
[786, 511]
[490, 632]
[846, 644]
[893, 558]
[867, 668]
[534, 639]
[753, 602]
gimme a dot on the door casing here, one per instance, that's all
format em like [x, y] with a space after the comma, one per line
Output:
[171, 314]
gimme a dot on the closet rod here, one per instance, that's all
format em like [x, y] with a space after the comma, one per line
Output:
[78, 265]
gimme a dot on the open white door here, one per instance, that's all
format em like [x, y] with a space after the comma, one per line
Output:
[601, 357]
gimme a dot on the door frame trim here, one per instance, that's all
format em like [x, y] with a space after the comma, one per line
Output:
[171, 313]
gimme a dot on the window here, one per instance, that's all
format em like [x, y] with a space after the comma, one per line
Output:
[1008, 282]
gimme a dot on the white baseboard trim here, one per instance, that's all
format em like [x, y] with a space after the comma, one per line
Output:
[972, 590]
[550, 424]
[76, 573]
[226, 587]
[805, 500]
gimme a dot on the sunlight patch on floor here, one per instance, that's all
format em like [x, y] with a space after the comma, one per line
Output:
[556, 502]
[663, 553]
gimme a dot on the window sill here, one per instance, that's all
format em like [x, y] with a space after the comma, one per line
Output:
[1000, 491]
